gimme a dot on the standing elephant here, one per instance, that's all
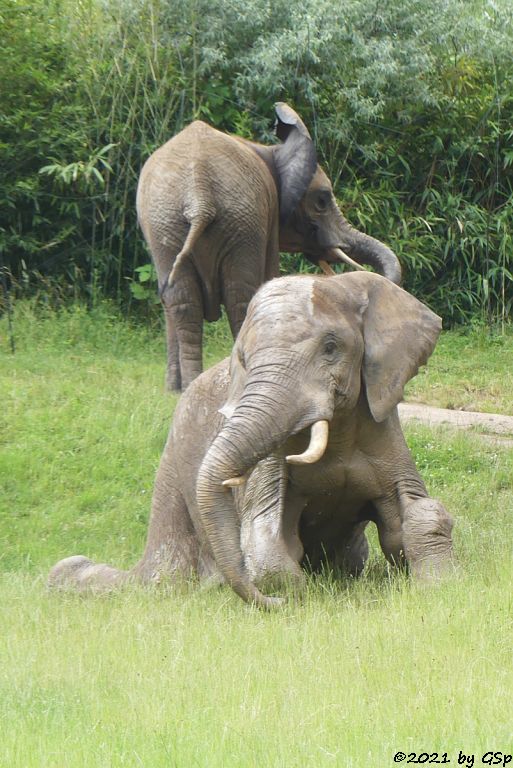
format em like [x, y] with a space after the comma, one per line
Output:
[216, 210]
[281, 455]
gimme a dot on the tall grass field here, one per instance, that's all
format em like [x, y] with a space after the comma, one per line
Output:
[353, 674]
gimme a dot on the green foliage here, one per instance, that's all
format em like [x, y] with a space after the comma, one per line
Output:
[83, 174]
[409, 104]
[144, 286]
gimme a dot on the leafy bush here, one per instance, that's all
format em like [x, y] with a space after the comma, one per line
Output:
[409, 104]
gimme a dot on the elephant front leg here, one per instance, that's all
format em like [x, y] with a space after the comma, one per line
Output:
[427, 536]
[269, 526]
[388, 519]
[416, 530]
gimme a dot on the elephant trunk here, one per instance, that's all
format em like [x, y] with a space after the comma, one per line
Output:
[259, 425]
[367, 250]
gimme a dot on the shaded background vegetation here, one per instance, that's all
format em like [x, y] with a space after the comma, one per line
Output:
[410, 104]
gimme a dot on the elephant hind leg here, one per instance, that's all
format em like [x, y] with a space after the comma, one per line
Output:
[183, 308]
[173, 376]
[81, 574]
[241, 275]
[172, 549]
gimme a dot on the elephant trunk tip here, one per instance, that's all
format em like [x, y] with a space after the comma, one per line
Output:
[253, 596]
[395, 274]
[367, 250]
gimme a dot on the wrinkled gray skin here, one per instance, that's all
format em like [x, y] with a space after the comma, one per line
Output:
[216, 210]
[339, 349]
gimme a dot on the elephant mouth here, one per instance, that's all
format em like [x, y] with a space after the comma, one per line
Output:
[319, 434]
[336, 256]
[333, 255]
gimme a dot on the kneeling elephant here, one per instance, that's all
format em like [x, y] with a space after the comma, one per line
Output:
[281, 455]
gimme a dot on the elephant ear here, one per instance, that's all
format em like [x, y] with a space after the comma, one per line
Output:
[236, 385]
[400, 334]
[295, 159]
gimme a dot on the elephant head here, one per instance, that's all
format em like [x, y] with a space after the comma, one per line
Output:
[310, 220]
[310, 352]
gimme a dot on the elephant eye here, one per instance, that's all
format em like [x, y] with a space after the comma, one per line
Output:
[330, 347]
[322, 201]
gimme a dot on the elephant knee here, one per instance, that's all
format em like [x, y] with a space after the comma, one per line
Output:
[427, 537]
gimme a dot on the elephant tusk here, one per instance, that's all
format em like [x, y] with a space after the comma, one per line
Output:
[235, 482]
[341, 256]
[325, 267]
[317, 447]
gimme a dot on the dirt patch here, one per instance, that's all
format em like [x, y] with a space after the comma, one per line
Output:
[492, 427]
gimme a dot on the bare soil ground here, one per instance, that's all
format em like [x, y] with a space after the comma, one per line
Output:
[492, 427]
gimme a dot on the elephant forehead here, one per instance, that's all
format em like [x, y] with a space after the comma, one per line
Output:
[306, 296]
[303, 300]
[283, 300]
[292, 310]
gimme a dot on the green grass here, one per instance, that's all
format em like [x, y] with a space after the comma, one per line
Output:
[188, 677]
[470, 371]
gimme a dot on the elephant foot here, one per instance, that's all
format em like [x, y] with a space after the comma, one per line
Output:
[81, 574]
[427, 539]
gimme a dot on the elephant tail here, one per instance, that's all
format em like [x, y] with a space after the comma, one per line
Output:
[81, 574]
[199, 209]
[197, 225]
